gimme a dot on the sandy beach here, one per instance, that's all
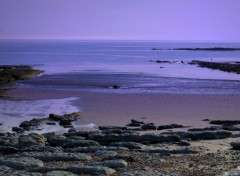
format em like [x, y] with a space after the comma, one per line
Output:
[118, 109]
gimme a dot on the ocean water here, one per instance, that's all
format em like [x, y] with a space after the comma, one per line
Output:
[97, 65]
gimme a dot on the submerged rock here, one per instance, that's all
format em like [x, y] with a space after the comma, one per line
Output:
[149, 126]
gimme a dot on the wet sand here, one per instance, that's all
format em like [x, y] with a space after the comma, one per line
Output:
[118, 109]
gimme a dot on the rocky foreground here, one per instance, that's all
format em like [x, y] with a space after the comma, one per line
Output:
[136, 149]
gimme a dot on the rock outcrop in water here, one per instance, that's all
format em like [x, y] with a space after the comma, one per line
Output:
[9, 74]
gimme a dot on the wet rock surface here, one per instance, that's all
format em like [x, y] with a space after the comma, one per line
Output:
[117, 150]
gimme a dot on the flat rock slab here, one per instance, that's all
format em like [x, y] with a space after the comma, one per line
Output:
[59, 173]
[48, 156]
[22, 173]
[115, 164]
[92, 170]
[22, 163]
[142, 172]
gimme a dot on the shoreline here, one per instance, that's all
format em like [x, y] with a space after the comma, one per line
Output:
[110, 109]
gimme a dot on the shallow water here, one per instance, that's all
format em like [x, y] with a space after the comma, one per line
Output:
[94, 66]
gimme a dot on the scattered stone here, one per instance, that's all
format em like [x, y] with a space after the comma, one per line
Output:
[60, 173]
[130, 145]
[22, 162]
[142, 172]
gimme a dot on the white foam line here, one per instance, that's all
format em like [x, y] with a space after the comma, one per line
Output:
[12, 113]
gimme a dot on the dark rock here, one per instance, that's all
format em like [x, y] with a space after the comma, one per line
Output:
[54, 117]
[235, 145]
[28, 125]
[116, 86]
[152, 138]
[212, 128]
[205, 120]
[184, 143]
[18, 130]
[111, 128]
[224, 122]
[51, 123]
[205, 135]
[137, 122]
[113, 131]
[171, 126]
[149, 126]
[133, 125]
[230, 127]
[8, 150]
[65, 122]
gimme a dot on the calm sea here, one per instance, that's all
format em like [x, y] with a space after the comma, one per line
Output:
[97, 65]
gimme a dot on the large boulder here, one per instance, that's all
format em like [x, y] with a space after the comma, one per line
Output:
[31, 139]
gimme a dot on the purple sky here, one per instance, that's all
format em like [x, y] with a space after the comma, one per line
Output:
[120, 19]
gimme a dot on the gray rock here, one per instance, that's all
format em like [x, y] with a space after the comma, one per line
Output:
[48, 156]
[56, 140]
[31, 139]
[205, 135]
[59, 173]
[4, 169]
[235, 145]
[22, 173]
[22, 162]
[163, 151]
[93, 149]
[115, 164]
[105, 153]
[142, 172]
[233, 173]
[92, 170]
[37, 148]
[130, 145]
[80, 143]
[153, 138]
